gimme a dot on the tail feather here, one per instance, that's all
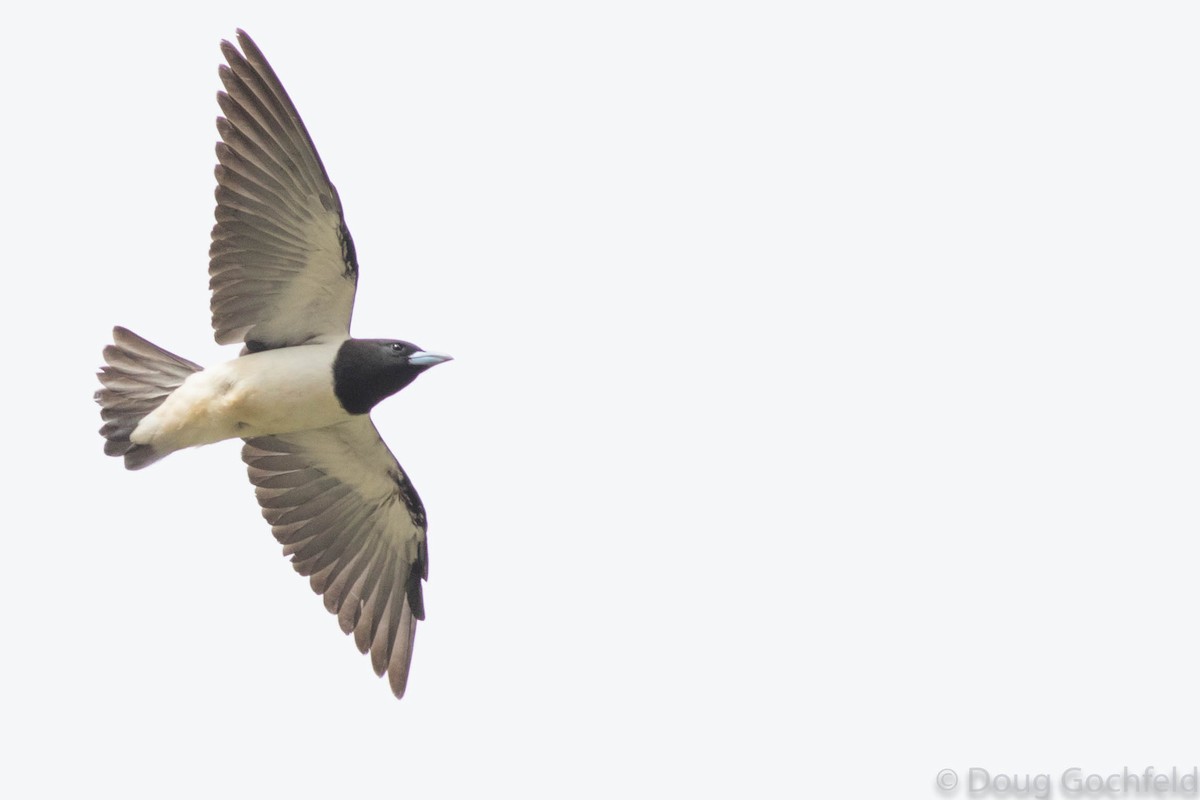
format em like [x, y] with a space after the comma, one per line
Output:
[138, 377]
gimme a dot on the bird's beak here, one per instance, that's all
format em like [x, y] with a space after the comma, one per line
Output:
[424, 358]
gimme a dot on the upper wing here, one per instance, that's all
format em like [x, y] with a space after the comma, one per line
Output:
[282, 261]
[344, 510]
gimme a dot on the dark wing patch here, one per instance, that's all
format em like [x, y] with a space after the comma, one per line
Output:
[282, 263]
[420, 571]
[341, 506]
[349, 254]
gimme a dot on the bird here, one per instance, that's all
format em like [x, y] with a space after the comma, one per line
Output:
[283, 274]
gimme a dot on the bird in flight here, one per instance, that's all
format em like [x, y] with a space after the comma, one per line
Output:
[283, 276]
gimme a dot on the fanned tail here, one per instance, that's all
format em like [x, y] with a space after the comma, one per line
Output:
[137, 379]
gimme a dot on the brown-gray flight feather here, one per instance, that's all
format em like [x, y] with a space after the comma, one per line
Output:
[282, 262]
[345, 512]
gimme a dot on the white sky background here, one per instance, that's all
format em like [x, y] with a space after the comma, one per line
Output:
[824, 411]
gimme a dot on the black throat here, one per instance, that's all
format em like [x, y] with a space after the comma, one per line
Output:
[362, 377]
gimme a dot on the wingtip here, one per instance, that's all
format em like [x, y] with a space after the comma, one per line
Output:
[400, 662]
[398, 669]
[249, 48]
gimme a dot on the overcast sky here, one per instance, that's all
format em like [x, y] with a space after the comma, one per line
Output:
[824, 411]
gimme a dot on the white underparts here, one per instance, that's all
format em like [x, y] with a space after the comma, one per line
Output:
[275, 391]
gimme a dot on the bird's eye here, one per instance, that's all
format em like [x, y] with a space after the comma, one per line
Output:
[397, 347]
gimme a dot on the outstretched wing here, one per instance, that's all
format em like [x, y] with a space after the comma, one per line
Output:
[282, 263]
[345, 512]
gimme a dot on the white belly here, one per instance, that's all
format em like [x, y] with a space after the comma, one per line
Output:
[275, 391]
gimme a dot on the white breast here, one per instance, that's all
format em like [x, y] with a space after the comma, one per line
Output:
[275, 391]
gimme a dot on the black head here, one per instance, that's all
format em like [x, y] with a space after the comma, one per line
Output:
[368, 370]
